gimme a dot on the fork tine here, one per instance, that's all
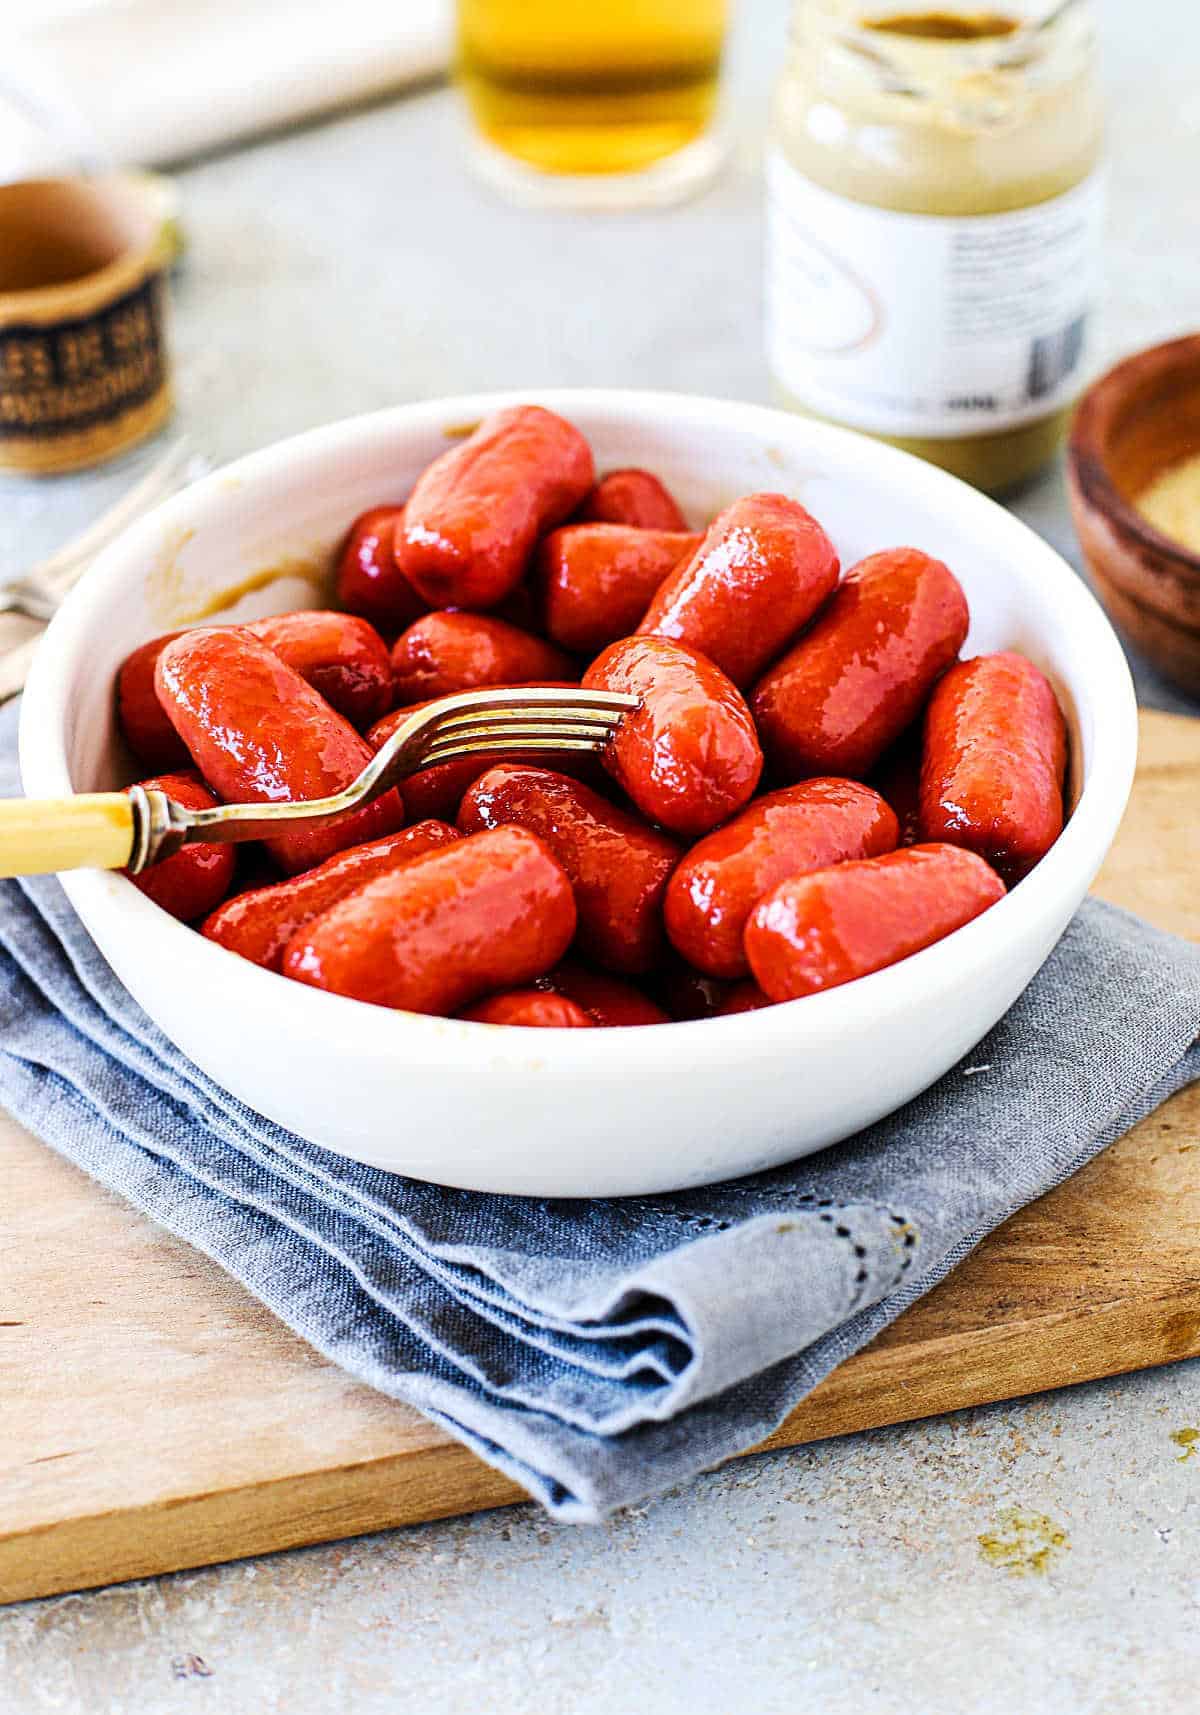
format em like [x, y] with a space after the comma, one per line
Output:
[529, 726]
[505, 696]
[523, 720]
[502, 703]
[563, 709]
[513, 747]
[545, 733]
[526, 712]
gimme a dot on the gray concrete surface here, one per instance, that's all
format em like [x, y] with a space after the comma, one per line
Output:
[353, 265]
[846, 1577]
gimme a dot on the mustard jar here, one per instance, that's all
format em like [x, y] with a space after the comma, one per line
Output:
[934, 226]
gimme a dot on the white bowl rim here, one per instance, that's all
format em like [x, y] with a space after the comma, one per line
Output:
[764, 1033]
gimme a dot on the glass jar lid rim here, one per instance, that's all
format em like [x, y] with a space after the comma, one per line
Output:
[867, 22]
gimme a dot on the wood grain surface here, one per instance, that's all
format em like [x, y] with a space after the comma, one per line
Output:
[154, 1416]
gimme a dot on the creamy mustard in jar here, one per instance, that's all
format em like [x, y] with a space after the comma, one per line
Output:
[934, 223]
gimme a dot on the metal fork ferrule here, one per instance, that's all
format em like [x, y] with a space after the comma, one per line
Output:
[157, 831]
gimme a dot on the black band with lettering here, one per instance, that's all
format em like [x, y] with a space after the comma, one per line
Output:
[77, 374]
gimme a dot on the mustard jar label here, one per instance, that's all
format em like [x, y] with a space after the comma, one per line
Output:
[912, 324]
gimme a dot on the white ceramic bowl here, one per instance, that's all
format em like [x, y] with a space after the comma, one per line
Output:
[575, 1113]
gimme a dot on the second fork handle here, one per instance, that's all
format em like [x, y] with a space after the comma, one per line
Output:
[15, 664]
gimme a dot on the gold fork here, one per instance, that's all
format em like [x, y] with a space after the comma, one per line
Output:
[130, 830]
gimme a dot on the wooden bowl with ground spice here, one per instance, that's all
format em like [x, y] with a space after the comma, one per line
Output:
[1133, 471]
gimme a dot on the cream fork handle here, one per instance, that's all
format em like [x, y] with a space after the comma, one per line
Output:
[93, 830]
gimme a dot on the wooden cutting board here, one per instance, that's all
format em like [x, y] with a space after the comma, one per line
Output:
[153, 1416]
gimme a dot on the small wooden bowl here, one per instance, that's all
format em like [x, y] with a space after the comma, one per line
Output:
[1131, 424]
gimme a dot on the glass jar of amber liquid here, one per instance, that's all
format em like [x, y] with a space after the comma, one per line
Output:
[934, 226]
[611, 102]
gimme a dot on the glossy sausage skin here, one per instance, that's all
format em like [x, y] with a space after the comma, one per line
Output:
[489, 913]
[531, 1008]
[595, 581]
[761, 572]
[898, 780]
[743, 997]
[342, 657]
[818, 931]
[689, 756]
[260, 734]
[259, 924]
[197, 877]
[862, 672]
[338, 654]
[447, 652]
[787, 833]
[438, 791]
[994, 761]
[369, 582]
[520, 609]
[471, 522]
[617, 866]
[687, 993]
[606, 999]
[634, 497]
[142, 719]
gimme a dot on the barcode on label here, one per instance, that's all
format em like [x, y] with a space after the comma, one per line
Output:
[1053, 357]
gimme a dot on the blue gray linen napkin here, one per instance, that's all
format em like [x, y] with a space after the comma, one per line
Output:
[596, 1352]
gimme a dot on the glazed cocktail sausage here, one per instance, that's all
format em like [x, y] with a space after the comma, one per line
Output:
[446, 652]
[994, 760]
[633, 497]
[687, 993]
[489, 913]
[195, 879]
[338, 654]
[471, 522]
[863, 670]
[259, 734]
[743, 997]
[369, 582]
[595, 581]
[342, 657]
[787, 833]
[818, 931]
[259, 924]
[606, 999]
[617, 866]
[689, 755]
[141, 717]
[898, 780]
[532, 1008]
[761, 572]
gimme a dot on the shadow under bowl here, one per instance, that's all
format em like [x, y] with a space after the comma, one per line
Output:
[1134, 423]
